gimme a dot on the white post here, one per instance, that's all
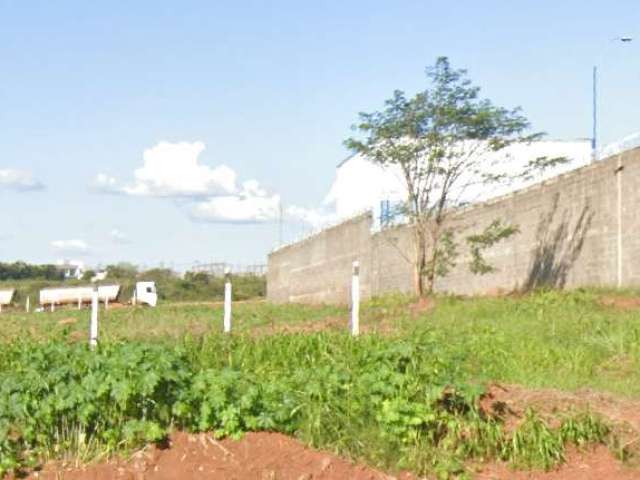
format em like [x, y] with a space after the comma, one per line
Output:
[0, 308]
[106, 302]
[79, 302]
[93, 327]
[53, 306]
[27, 306]
[227, 300]
[355, 299]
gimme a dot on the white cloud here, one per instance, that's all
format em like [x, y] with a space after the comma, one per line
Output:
[70, 246]
[118, 236]
[315, 217]
[252, 205]
[255, 205]
[18, 180]
[173, 170]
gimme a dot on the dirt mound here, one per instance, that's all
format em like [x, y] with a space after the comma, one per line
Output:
[596, 464]
[422, 306]
[513, 400]
[259, 456]
[621, 303]
[270, 456]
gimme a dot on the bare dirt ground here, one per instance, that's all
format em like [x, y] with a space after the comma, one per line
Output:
[515, 400]
[259, 456]
[270, 456]
[597, 464]
[511, 402]
[621, 303]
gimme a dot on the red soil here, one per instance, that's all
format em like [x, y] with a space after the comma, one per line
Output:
[596, 464]
[259, 456]
[621, 303]
[514, 400]
[510, 403]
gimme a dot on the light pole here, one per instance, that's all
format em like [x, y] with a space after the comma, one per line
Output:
[618, 170]
[594, 142]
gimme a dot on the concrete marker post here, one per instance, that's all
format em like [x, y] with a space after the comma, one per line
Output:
[355, 299]
[27, 306]
[93, 326]
[227, 300]
[79, 302]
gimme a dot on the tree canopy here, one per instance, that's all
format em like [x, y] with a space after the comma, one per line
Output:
[441, 140]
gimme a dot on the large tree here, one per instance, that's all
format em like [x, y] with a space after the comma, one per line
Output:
[441, 140]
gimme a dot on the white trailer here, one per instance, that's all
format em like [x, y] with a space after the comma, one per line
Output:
[77, 295]
[6, 296]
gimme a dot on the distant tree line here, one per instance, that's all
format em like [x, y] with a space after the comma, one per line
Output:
[193, 286]
[25, 271]
[29, 279]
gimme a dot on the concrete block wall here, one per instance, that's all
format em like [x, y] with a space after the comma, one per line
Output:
[318, 269]
[581, 228]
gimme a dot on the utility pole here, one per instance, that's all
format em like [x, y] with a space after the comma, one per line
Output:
[594, 137]
[594, 142]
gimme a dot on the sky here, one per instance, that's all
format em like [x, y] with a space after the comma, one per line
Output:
[162, 132]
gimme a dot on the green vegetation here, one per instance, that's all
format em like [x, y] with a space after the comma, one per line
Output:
[406, 397]
[22, 270]
[197, 286]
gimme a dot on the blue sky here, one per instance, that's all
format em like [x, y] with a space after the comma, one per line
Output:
[269, 89]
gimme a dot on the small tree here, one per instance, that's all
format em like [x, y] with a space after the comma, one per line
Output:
[440, 141]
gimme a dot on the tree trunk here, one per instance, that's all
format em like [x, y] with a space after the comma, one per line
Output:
[432, 271]
[421, 261]
[431, 276]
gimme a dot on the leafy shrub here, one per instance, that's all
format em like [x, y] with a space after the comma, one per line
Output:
[390, 401]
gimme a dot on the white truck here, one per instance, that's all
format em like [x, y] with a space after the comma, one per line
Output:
[145, 293]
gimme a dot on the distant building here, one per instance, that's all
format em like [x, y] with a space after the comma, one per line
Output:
[361, 184]
[71, 269]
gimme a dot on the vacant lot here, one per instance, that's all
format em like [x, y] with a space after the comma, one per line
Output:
[446, 387]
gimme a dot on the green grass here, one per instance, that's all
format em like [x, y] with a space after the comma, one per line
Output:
[551, 339]
[403, 398]
[565, 340]
[168, 321]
